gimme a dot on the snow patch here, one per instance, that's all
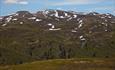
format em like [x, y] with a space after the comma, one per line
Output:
[78, 19]
[74, 16]
[81, 24]
[102, 17]
[56, 14]
[109, 17]
[105, 20]
[55, 29]
[106, 30]
[82, 38]
[21, 23]
[9, 18]
[69, 19]
[94, 14]
[53, 26]
[61, 16]
[104, 24]
[16, 14]
[50, 24]
[14, 19]
[74, 31]
[66, 14]
[37, 20]
[32, 18]
[46, 12]
[1, 18]
[4, 24]
[23, 16]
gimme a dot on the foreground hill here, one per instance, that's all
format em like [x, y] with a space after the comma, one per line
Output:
[54, 34]
[66, 64]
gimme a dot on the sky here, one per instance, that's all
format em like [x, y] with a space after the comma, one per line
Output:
[101, 6]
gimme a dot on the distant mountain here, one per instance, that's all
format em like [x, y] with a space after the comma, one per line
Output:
[53, 34]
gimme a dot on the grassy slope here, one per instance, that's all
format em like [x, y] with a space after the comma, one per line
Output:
[35, 42]
[66, 64]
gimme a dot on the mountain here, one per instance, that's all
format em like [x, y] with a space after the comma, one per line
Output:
[55, 34]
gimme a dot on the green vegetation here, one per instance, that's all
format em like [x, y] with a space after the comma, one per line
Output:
[27, 42]
[66, 64]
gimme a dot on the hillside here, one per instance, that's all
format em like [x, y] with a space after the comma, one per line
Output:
[55, 34]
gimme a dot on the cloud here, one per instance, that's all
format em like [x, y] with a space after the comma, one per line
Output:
[10, 1]
[114, 11]
[24, 2]
[105, 8]
[75, 2]
[101, 8]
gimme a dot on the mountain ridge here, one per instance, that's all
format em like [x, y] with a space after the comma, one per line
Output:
[55, 34]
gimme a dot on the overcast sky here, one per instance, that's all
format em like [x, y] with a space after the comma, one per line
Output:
[101, 6]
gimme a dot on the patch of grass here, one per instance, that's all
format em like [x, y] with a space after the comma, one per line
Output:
[66, 64]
